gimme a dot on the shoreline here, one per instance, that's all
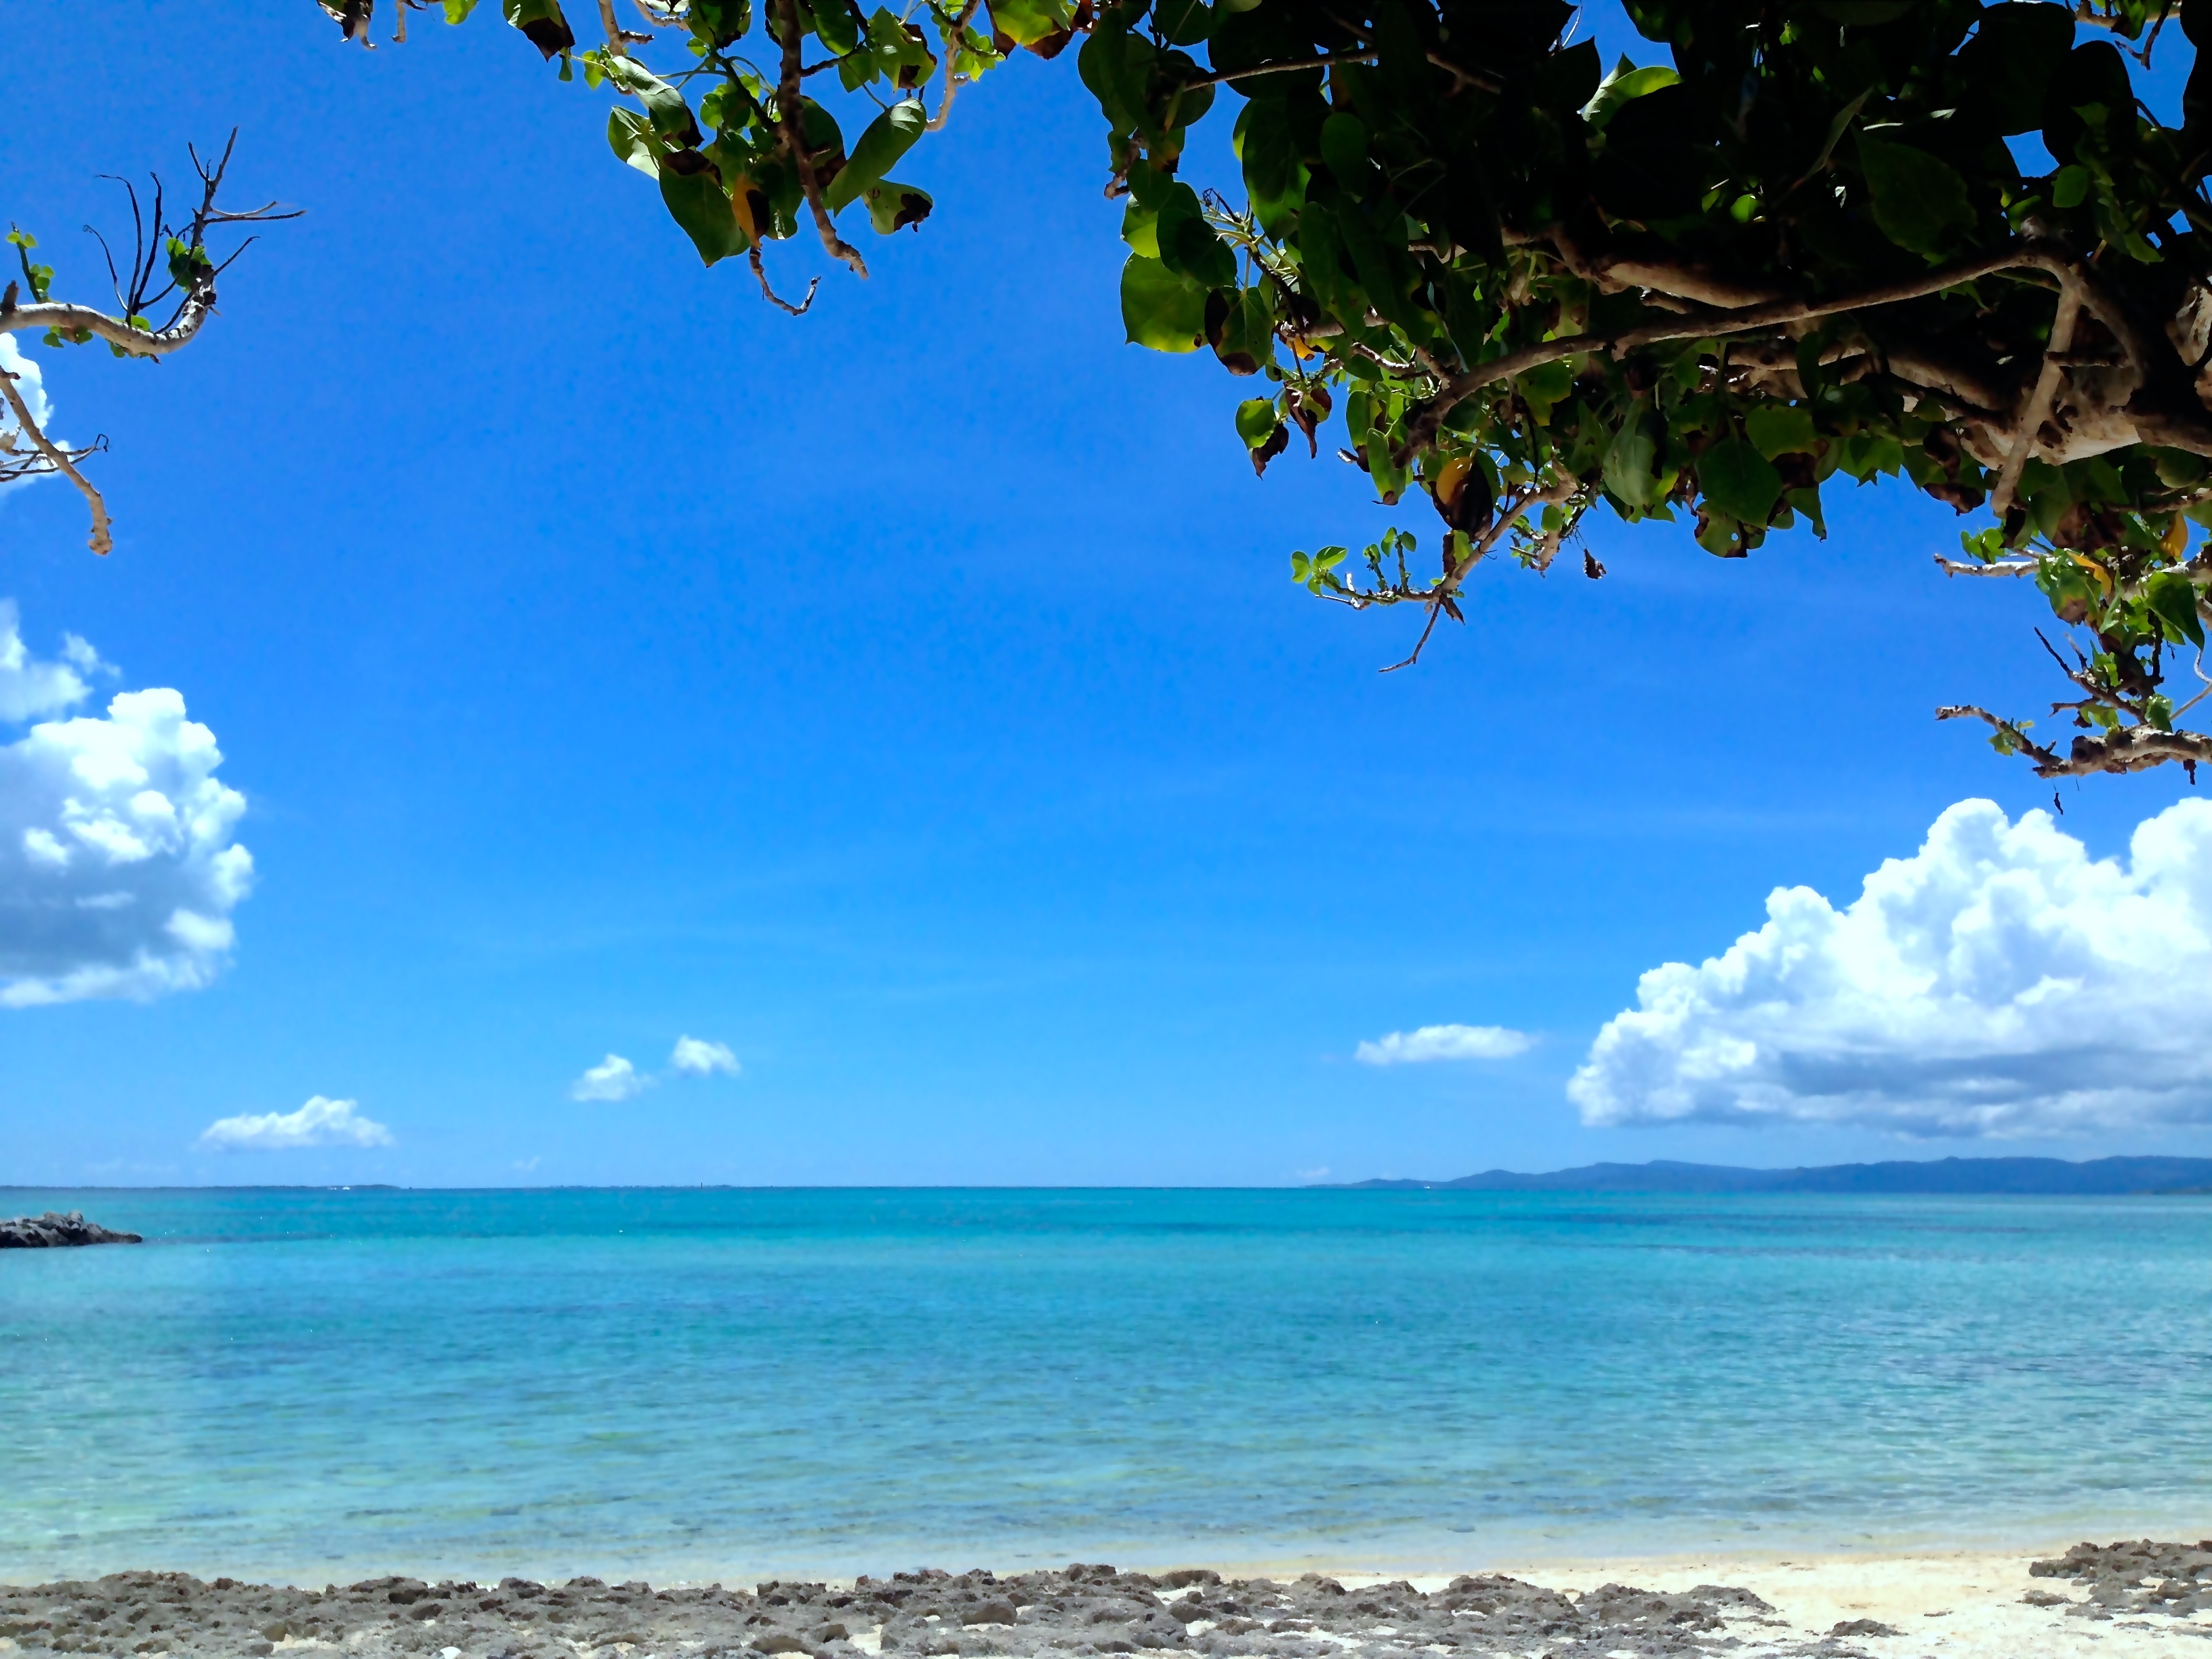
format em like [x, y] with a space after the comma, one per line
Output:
[2120, 1601]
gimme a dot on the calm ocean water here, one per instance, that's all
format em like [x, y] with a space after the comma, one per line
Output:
[717, 1384]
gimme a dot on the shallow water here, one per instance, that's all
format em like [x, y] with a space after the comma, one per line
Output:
[726, 1384]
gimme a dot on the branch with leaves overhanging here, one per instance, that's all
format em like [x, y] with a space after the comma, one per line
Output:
[1799, 251]
[170, 265]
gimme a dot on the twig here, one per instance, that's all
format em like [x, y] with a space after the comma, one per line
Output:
[1365, 55]
[1441, 595]
[103, 539]
[953, 82]
[790, 115]
[1972, 567]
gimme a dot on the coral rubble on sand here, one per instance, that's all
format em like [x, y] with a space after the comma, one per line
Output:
[33, 1232]
[1084, 1611]
[2136, 1577]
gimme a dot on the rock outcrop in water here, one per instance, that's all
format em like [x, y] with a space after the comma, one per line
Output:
[34, 1232]
[2136, 1577]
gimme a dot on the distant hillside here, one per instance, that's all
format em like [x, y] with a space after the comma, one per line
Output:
[2048, 1176]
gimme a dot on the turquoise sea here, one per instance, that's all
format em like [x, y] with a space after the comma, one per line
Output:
[323, 1384]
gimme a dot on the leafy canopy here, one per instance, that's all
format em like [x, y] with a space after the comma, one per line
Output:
[1531, 285]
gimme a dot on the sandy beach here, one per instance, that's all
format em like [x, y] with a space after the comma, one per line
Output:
[2112, 1601]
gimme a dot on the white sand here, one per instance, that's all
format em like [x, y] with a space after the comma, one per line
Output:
[1957, 1604]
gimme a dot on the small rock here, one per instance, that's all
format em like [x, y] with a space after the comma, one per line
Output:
[1861, 1627]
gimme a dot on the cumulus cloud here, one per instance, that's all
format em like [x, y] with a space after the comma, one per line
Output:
[1445, 1042]
[615, 1078]
[320, 1122]
[1999, 982]
[696, 1057]
[118, 868]
[612, 1078]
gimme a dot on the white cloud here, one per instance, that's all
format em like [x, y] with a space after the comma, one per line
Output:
[118, 869]
[29, 688]
[696, 1057]
[612, 1078]
[1999, 982]
[320, 1122]
[1445, 1042]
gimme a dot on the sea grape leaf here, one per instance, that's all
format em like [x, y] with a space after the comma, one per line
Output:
[2174, 600]
[1629, 460]
[697, 202]
[1919, 200]
[632, 139]
[888, 137]
[893, 206]
[1160, 308]
[1739, 481]
[1781, 429]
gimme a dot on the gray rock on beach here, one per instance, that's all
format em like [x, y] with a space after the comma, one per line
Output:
[2135, 1578]
[1083, 1612]
[53, 1229]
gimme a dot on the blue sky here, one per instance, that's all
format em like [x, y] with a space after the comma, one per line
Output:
[911, 697]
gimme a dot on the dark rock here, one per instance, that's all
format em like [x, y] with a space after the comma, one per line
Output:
[1863, 1627]
[53, 1229]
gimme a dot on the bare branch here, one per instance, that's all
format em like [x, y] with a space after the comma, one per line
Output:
[103, 538]
[1364, 56]
[1975, 568]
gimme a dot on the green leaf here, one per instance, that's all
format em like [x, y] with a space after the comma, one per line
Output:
[1160, 309]
[1626, 82]
[1735, 477]
[1140, 229]
[1186, 243]
[2173, 599]
[837, 26]
[631, 136]
[1256, 420]
[1629, 460]
[457, 11]
[1919, 200]
[1184, 22]
[542, 23]
[1244, 333]
[697, 201]
[2158, 709]
[889, 136]
[903, 60]
[2070, 187]
[1025, 22]
[1781, 429]
[893, 206]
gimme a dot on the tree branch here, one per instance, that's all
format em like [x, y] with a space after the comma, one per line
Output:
[2030, 256]
[791, 116]
[2131, 748]
[1366, 55]
[2038, 401]
[103, 538]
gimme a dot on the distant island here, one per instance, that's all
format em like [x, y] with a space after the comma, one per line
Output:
[2051, 1177]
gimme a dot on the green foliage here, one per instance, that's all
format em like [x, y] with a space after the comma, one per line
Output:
[1796, 247]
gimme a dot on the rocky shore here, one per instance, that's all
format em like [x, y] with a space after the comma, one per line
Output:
[53, 1229]
[1072, 1614]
